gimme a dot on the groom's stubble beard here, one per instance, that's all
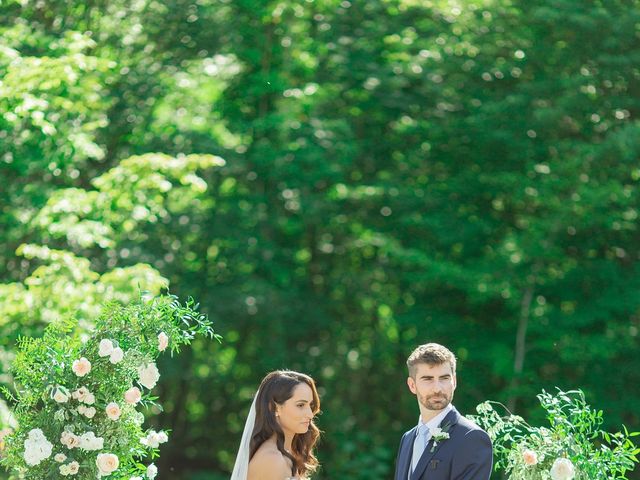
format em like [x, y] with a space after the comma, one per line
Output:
[436, 401]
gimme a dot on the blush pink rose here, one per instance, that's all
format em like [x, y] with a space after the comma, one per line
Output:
[81, 367]
[530, 457]
[113, 411]
[133, 395]
[163, 341]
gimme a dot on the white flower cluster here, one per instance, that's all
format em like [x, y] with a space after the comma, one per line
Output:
[87, 441]
[70, 468]
[107, 349]
[36, 447]
[154, 439]
[83, 395]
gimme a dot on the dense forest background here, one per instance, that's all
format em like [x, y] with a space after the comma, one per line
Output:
[335, 182]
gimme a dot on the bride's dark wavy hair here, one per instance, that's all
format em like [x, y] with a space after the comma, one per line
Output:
[276, 388]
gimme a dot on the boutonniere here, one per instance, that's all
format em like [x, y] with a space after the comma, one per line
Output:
[439, 434]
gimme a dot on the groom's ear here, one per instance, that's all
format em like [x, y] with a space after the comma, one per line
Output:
[412, 385]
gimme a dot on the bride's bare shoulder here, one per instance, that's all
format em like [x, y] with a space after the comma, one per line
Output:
[269, 464]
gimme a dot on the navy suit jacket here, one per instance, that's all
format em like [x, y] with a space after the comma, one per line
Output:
[465, 455]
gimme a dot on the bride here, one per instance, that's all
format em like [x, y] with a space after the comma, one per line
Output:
[279, 435]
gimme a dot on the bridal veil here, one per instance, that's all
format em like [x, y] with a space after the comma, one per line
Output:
[241, 467]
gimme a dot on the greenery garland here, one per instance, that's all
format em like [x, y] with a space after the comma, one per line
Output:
[77, 394]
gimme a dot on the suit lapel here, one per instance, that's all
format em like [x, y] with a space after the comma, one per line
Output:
[451, 419]
[405, 455]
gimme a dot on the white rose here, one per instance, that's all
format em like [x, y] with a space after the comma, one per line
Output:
[89, 412]
[116, 356]
[163, 341]
[152, 471]
[80, 394]
[81, 367]
[107, 463]
[61, 395]
[162, 437]
[132, 395]
[113, 411]
[562, 469]
[149, 375]
[69, 439]
[64, 470]
[90, 399]
[105, 348]
[74, 467]
[60, 457]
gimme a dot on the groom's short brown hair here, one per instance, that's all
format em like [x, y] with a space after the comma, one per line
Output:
[431, 354]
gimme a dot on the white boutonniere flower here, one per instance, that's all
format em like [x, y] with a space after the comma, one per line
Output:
[438, 435]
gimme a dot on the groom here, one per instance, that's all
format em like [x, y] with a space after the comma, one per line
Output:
[444, 445]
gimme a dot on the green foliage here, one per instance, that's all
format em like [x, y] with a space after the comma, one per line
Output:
[528, 453]
[45, 370]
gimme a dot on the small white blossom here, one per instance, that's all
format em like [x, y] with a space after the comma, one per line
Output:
[105, 348]
[152, 471]
[163, 341]
[562, 469]
[148, 375]
[116, 356]
[154, 439]
[61, 394]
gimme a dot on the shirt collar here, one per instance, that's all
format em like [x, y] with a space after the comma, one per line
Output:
[435, 421]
